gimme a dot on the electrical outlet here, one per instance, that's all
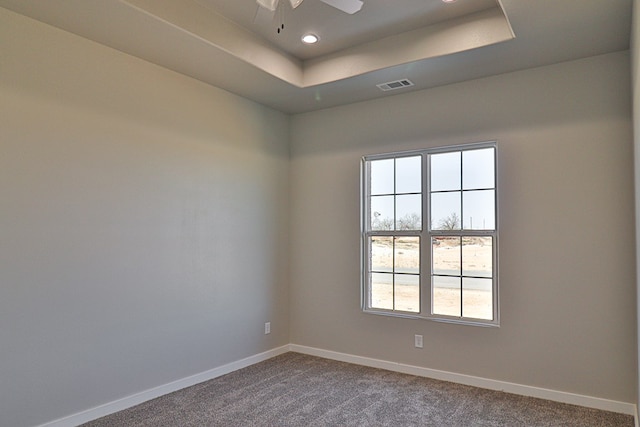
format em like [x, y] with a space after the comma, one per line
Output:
[267, 328]
[418, 341]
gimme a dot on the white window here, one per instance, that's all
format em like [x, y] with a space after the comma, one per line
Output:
[430, 235]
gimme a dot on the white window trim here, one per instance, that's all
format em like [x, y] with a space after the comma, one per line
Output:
[425, 238]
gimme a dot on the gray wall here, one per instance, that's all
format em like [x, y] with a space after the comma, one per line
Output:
[143, 225]
[567, 276]
[635, 82]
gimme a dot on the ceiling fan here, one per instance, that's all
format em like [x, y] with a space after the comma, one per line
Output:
[347, 6]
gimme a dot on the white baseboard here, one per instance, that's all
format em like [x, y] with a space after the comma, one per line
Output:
[138, 398]
[523, 390]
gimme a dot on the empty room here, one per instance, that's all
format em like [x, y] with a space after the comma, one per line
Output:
[319, 212]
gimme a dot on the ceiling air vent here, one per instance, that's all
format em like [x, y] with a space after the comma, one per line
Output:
[397, 84]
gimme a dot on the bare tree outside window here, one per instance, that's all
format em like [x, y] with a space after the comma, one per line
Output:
[378, 222]
[451, 222]
[412, 221]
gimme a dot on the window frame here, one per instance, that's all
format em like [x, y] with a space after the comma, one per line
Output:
[425, 235]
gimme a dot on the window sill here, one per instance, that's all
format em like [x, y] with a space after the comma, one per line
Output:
[443, 319]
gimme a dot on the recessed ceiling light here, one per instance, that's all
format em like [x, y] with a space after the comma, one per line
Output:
[448, 1]
[310, 38]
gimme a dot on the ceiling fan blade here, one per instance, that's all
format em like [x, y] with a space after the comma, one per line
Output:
[347, 6]
[295, 3]
[268, 4]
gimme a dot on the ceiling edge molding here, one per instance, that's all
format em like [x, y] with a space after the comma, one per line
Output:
[222, 34]
[469, 32]
[457, 35]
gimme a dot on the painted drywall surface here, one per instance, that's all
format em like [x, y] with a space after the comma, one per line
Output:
[567, 284]
[635, 86]
[143, 225]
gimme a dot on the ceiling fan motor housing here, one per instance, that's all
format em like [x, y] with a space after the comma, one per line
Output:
[347, 6]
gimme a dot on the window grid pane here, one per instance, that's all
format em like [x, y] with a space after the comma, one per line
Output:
[477, 300]
[395, 273]
[381, 291]
[395, 204]
[460, 199]
[446, 295]
[406, 292]
[408, 175]
[462, 264]
[479, 210]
